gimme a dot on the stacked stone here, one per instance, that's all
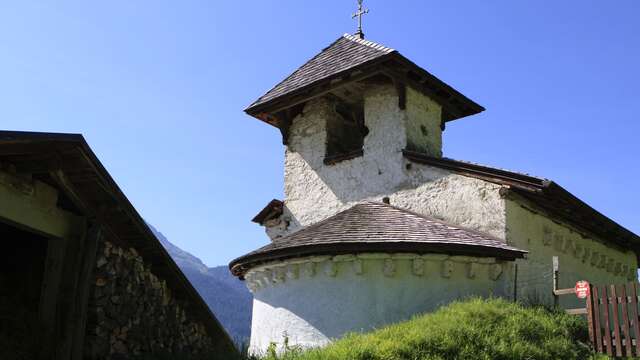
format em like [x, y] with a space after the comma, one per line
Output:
[132, 312]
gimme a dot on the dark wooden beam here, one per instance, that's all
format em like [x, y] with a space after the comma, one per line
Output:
[401, 88]
[318, 89]
[85, 284]
[49, 296]
[61, 180]
[66, 312]
[284, 121]
[425, 89]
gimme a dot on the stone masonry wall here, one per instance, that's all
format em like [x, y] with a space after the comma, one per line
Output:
[132, 313]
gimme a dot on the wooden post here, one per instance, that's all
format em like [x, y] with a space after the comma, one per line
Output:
[556, 300]
[85, 283]
[515, 282]
[590, 316]
[634, 313]
[51, 280]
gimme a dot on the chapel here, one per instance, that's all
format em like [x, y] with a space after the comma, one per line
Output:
[377, 225]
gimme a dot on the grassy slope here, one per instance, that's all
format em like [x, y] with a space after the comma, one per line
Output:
[473, 329]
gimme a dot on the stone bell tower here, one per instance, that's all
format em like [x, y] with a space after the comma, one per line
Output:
[348, 117]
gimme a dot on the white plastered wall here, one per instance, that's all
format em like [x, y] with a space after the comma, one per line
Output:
[307, 307]
[580, 257]
[315, 191]
[314, 300]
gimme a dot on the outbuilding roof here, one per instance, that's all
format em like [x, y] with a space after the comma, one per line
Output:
[66, 162]
[378, 227]
[351, 59]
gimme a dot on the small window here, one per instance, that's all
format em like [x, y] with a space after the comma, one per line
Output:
[345, 133]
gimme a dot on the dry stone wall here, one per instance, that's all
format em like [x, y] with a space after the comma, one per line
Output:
[132, 313]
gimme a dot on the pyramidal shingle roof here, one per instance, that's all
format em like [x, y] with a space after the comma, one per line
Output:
[349, 58]
[343, 54]
[378, 227]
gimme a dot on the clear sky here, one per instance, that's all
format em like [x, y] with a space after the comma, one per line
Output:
[158, 88]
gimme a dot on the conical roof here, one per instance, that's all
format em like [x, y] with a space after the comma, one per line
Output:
[378, 227]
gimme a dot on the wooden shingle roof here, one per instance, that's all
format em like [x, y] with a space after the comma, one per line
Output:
[378, 227]
[66, 162]
[345, 53]
[351, 59]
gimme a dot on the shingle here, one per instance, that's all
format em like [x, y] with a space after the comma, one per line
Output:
[374, 224]
[347, 52]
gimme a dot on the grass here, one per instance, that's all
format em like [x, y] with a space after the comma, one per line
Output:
[473, 329]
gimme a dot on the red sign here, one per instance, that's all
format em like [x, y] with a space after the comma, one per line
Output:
[582, 289]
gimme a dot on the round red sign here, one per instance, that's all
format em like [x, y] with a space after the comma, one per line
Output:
[582, 289]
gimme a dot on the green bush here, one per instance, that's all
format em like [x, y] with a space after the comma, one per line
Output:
[473, 329]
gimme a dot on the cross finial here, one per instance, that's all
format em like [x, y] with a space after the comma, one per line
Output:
[361, 11]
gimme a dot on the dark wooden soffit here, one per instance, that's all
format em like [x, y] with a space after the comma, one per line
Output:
[272, 210]
[545, 194]
[395, 66]
[66, 162]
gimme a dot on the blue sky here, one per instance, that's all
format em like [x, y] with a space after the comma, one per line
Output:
[158, 87]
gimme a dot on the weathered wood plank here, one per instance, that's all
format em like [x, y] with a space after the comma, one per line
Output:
[616, 320]
[49, 295]
[596, 319]
[578, 311]
[590, 315]
[607, 326]
[633, 291]
[66, 311]
[625, 322]
[564, 291]
[85, 283]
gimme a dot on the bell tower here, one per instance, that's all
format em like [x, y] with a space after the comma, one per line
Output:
[348, 117]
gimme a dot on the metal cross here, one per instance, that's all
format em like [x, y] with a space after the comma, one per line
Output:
[361, 11]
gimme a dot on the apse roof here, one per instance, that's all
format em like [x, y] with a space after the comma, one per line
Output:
[379, 227]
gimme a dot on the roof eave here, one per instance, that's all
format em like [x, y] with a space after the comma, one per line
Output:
[307, 92]
[455, 104]
[535, 190]
[273, 209]
[241, 265]
[153, 250]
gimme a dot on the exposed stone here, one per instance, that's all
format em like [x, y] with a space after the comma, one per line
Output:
[133, 312]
